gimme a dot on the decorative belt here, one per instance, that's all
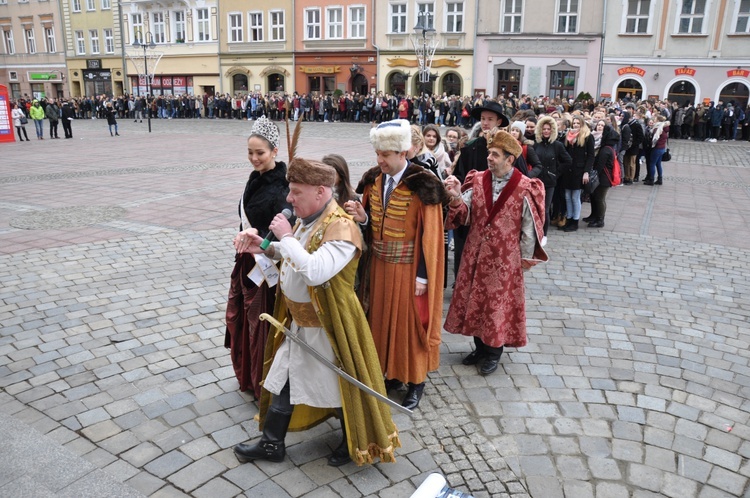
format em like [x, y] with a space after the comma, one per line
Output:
[303, 314]
[394, 251]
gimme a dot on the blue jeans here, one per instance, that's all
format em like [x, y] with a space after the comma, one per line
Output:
[655, 163]
[573, 203]
[39, 125]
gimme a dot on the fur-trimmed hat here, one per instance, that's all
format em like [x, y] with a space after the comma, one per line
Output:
[392, 135]
[310, 172]
[267, 129]
[503, 140]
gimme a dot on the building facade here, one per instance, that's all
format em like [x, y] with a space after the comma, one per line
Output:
[256, 51]
[540, 47]
[451, 22]
[185, 35]
[32, 58]
[333, 48]
[683, 50]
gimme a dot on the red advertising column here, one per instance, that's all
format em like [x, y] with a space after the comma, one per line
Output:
[7, 130]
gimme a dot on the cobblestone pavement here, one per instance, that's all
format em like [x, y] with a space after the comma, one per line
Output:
[114, 262]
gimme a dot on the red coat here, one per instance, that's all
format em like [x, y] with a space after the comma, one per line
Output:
[489, 296]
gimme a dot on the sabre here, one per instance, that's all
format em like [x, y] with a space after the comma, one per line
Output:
[337, 370]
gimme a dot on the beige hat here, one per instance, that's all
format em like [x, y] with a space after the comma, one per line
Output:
[499, 139]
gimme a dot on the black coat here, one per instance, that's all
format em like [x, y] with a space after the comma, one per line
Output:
[554, 158]
[473, 156]
[605, 158]
[582, 161]
[636, 135]
[265, 196]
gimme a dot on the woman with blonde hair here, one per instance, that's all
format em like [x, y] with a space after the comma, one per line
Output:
[580, 145]
[420, 154]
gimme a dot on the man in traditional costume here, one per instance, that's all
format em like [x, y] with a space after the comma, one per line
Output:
[319, 263]
[505, 214]
[401, 212]
[474, 157]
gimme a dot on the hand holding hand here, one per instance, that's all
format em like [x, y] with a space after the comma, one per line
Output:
[248, 241]
[452, 185]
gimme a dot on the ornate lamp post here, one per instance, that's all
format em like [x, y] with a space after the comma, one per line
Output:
[426, 50]
[148, 43]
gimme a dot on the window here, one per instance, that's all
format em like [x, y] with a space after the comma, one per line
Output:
[312, 24]
[10, 47]
[428, 8]
[357, 22]
[277, 25]
[179, 25]
[335, 22]
[256, 26]
[235, 27]
[158, 27]
[13, 75]
[743, 17]
[109, 41]
[204, 29]
[512, 16]
[29, 38]
[3, 2]
[90, 4]
[398, 18]
[136, 24]
[75, 5]
[454, 17]
[567, 16]
[49, 39]
[691, 16]
[636, 20]
[80, 43]
[106, 5]
[94, 40]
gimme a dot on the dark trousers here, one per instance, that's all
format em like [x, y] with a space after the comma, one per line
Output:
[67, 128]
[599, 203]
[53, 129]
[490, 352]
[19, 130]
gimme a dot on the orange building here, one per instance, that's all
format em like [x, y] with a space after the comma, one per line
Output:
[333, 48]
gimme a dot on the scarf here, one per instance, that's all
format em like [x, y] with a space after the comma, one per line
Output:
[572, 136]
[597, 139]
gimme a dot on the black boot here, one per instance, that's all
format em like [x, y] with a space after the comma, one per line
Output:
[476, 355]
[572, 226]
[492, 361]
[658, 182]
[271, 445]
[340, 455]
[413, 395]
[597, 223]
[568, 221]
[589, 219]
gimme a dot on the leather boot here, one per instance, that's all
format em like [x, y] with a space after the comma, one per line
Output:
[271, 445]
[658, 182]
[340, 455]
[413, 395]
[492, 361]
[571, 227]
[476, 355]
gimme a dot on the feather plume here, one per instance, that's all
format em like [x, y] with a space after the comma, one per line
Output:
[295, 139]
[288, 140]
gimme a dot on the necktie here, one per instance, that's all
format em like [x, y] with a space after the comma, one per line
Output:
[389, 191]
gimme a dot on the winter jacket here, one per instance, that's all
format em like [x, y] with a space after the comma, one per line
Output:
[36, 113]
[582, 162]
[605, 158]
[551, 153]
[637, 135]
[52, 112]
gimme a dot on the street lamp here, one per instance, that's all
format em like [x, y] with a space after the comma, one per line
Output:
[426, 49]
[146, 44]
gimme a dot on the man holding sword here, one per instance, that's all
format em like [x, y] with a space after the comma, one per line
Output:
[319, 259]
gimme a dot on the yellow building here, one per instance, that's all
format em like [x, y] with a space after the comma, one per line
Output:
[255, 45]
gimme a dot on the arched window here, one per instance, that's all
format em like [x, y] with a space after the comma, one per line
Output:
[397, 83]
[630, 86]
[452, 84]
[239, 83]
[682, 92]
[736, 93]
[275, 82]
[359, 84]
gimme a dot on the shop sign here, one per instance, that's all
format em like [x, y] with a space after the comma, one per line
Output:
[631, 70]
[734, 73]
[684, 71]
[320, 69]
[93, 63]
[166, 81]
[41, 76]
[178, 81]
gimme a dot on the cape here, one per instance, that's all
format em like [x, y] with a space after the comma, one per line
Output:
[371, 433]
